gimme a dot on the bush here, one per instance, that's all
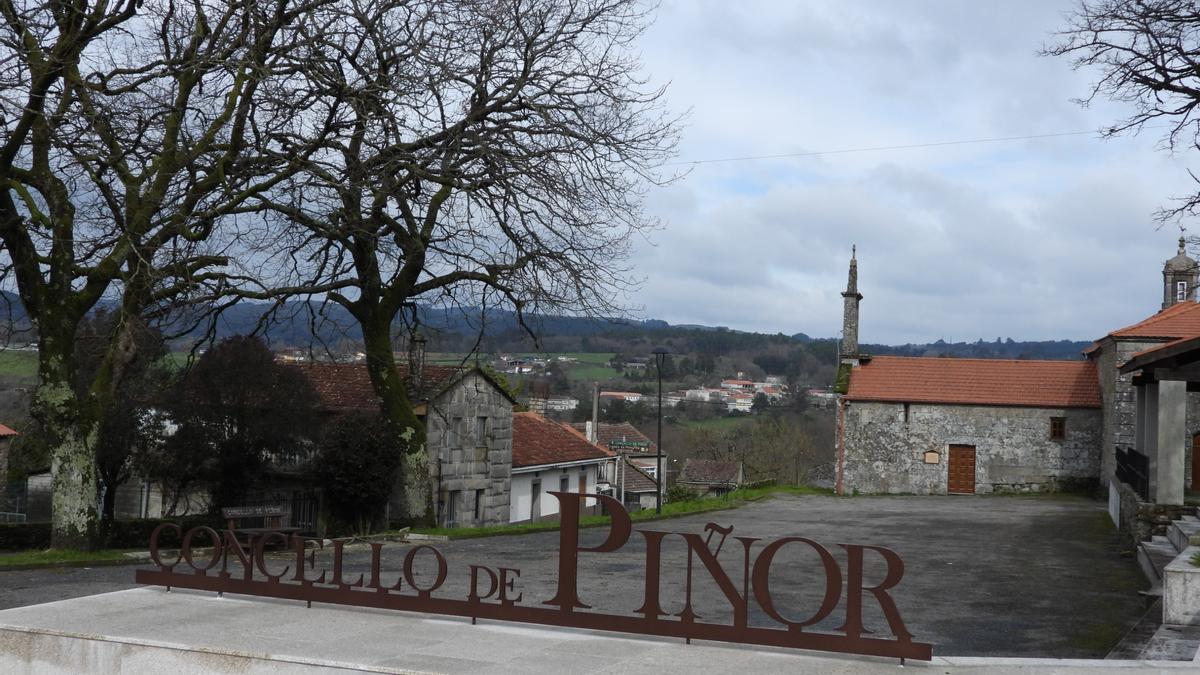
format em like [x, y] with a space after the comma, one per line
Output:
[113, 533]
[24, 536]
[356, 467]
[679, 493]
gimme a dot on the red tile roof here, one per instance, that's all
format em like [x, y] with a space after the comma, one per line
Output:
[537, 441]
[1043, 384]
[1177, 321]
[345, 387]
[621, 432]
[709, 471]
[7, 431]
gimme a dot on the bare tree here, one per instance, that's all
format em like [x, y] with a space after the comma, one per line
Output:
[475, 153]
[130, 131]
[1147, 53]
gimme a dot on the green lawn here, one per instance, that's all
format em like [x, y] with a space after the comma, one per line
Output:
[19, 364]
[718, 423]
[58, 556]
[590, 372]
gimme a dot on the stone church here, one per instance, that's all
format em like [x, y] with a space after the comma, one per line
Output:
[963, 426]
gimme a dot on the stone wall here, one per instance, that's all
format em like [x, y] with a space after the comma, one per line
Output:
[1120, 403]
[885, 447]
[1139, 520]
[464, 461]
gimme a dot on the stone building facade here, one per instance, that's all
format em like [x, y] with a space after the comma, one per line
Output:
[898, 418]
[468, 432]
[1017, 426]
[1013, 448]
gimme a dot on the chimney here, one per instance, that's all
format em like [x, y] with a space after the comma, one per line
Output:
[416, 361]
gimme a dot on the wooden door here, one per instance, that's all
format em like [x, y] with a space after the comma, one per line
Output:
[1196, 462]
[961, 470]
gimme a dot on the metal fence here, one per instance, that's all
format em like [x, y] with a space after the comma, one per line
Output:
[1133, 469]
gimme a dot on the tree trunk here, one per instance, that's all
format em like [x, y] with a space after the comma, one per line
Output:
[398, 415]
[72, 462]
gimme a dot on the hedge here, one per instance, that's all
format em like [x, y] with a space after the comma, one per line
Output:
[113, 533]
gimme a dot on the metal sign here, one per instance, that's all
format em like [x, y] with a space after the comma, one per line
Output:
[637, 445]
[494, 593]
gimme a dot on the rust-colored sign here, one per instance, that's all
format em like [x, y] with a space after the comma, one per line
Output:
[494, 592]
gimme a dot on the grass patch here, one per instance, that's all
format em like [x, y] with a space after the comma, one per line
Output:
[58, 556]
[18, 364]
[591, 372]
[670, 510]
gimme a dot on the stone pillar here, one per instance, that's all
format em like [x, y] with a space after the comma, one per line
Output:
[850, 299]
[1148, 432]
[1139, 420]
[1166, 465]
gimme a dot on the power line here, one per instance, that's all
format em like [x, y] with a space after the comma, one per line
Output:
[881, 148]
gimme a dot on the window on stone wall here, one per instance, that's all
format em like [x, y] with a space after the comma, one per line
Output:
[1181, 290]
[481, 424]
[1058, 428]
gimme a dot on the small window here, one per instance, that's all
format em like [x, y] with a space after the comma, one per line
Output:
[1181, 290]
[1058, 428]
[478, 505]
[564, 484]
[906, 412]
[481, 428]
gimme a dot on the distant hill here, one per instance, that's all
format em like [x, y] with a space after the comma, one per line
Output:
[297, 323]
[999, 349]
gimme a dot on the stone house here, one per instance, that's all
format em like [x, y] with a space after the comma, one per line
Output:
[938, 426]
[550, 456]
[943, 425]
[468, 429]
[711, 478]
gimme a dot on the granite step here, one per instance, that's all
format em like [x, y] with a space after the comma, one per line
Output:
[1153, 556]
[1184, 532]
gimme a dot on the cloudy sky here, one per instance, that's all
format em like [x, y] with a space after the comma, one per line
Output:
[1033, 239]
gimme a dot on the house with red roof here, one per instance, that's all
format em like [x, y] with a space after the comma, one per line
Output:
[962, 426]
[549, 456]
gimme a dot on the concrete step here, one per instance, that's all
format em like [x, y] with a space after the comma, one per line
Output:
[1184, 532]
[1153, 555]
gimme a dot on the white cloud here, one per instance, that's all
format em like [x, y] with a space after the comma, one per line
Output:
[1047, 238]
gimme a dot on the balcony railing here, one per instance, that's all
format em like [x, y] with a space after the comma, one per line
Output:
[1133, 469]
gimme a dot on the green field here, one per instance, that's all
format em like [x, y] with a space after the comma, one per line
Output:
[19, 364]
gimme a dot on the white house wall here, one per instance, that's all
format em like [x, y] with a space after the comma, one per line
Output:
[521, 498]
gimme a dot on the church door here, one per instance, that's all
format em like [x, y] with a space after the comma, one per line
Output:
[1196, 462]
[961, 470]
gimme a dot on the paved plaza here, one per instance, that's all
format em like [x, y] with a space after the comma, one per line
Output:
[985, 576]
